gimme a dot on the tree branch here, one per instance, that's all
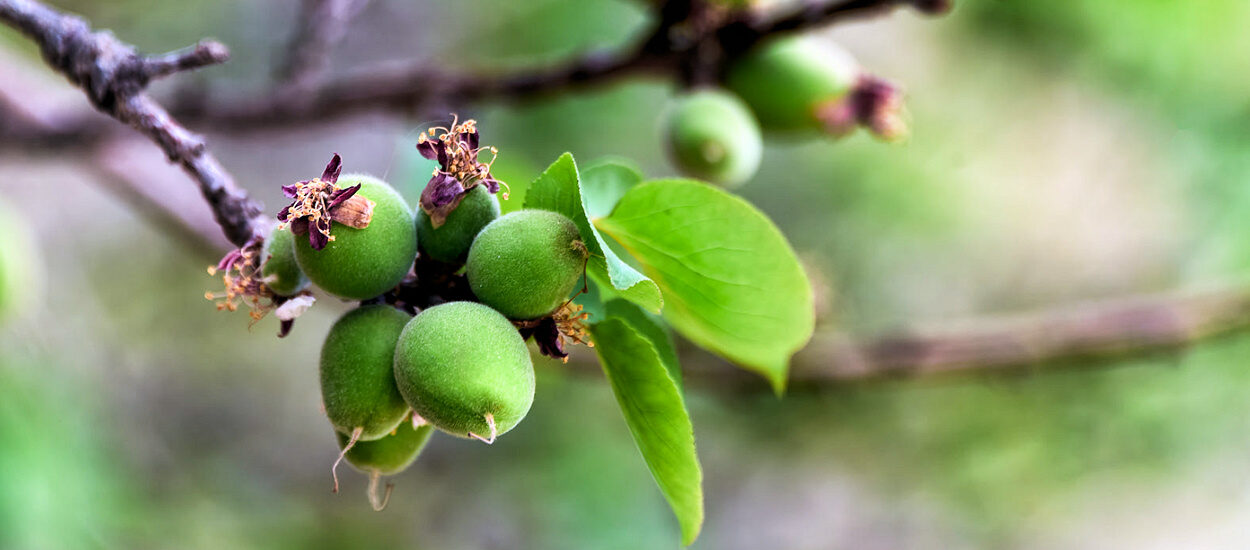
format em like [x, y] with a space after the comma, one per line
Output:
[114, 77]
[1108, 331]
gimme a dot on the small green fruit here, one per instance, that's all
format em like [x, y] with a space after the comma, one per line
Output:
[389, 455]
[787, 80]
[712, 135]
[526, 263]
[362, 263]
[282, 274]
[464, 368]
[450, 241]
[357, 380]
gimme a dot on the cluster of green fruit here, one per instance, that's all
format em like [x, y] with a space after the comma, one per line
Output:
[389, 378]
[788, 85]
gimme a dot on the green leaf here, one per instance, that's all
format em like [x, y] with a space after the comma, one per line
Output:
[559, 190]
[657, 418]
[651, 328]
[732, 283]
[604, 182]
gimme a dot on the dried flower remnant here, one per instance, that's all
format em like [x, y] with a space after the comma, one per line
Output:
[551, 332]
[245, 285]
[319, 202]
[872, 103]
[456, 150]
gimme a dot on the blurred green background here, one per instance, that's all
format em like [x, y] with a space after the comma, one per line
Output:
[1059, 153]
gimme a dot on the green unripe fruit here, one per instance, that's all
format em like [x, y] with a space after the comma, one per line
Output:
[450, 241]
[785, 81]
[357, 380]
[464, 368]
[712, 135]
[526, 263]
[389, 455]
[362, 263]
[282, 274]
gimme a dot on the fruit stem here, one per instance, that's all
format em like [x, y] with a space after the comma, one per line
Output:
[377, 505]
[490, 421]
[334, 470]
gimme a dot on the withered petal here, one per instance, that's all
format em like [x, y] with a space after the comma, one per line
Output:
[491, 184]
[470, 138]
[547, 336]
[284, 214]
[441, 196]
[429, 148]
[229, 260]
[318, 240]
[333, 169]
[299, 226]
[341, 195]
[291, 190]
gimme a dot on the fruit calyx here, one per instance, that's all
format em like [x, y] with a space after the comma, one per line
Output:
[872, 103]
[319, 202]
[550, 332]
[456, 150]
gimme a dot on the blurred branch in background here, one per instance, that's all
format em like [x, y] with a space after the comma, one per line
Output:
[1116, 329]
[1108, 331]
[321, 26]
[171, 212]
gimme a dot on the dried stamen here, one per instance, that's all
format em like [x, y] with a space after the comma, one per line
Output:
[319, 202]
[460, 168]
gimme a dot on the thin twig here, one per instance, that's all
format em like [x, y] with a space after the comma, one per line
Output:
[114, 77]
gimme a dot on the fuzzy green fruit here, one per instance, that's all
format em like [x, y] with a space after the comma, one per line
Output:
[712, 135]
[362, 263]
[389, 455]
[526, 263]
[450, 241]
[785, 81]
[357, 380]
[280, 270]
[464, 368]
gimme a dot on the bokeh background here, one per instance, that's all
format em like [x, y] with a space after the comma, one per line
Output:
[1060, 152]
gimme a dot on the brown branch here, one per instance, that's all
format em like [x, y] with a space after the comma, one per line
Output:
[811, 14]
[1100, 332]
[114, 77]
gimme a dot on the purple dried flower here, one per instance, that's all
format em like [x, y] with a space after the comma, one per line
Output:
[459, 169]
[317, 203]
